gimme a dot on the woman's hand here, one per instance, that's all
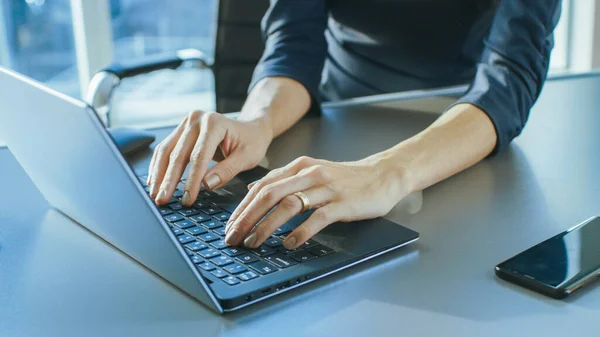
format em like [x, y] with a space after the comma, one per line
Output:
[195, 142]
[347, 191]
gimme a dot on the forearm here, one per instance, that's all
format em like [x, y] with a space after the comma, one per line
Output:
[276, 103]
[460, 138]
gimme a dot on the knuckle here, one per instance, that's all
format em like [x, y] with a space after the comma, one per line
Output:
[244, 222]
[267, 194]
[322, 215]
[194, 116]
[227, 170]
[196, 156]
[210, 118]
[303, 161]
[317, 172]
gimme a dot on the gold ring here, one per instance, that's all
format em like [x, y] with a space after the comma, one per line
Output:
[304, 200]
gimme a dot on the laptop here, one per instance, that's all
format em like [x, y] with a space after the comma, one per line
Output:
[66, 151]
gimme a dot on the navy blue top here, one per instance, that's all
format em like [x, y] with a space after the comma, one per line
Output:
[347, 48]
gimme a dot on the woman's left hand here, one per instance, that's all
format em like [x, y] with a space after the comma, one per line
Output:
[338, 191]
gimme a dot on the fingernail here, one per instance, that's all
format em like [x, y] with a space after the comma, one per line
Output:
[212, 181]
[250, 241]
[186, 198]
[161, 194]
[231, 238]
[290, 242]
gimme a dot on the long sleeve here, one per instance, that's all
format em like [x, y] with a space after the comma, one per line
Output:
[514, 64]
[295, 46]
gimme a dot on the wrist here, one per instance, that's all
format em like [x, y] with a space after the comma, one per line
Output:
[392, 172]
[261, 122]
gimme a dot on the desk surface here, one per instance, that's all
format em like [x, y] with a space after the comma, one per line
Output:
[58, 279]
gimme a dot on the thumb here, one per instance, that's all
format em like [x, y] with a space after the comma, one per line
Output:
[225, 170]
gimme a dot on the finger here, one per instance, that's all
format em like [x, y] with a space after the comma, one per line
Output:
[206, 145]
[267, 198]
[290, 169]
[320, 219]
[225, 170]
[289, 207]
[275, 175]
[149, 178]
[177, 163]
[161, 162]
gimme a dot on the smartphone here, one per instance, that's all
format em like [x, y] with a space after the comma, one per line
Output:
[560, 265]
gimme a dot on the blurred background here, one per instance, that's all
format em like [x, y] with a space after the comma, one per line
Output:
[44, 39]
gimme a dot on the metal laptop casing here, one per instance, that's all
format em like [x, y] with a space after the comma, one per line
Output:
[67, 153]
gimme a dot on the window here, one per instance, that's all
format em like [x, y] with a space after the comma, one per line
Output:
[36, 39]
[559, 58]
[145, 27]
[141, 28]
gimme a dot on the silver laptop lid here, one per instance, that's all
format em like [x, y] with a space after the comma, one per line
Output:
[70, 157]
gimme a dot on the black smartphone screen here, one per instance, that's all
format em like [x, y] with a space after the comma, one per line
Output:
[563, 259]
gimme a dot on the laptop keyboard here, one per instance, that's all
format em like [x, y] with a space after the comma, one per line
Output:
[201, 231]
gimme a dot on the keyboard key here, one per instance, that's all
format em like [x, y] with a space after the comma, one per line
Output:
[222, 260]
[282, 230]
[263, 251]
[302, 256]
[199, 218]
[220, 244]
[210, 210]
[188, 212]
[206, 266]
[201, 204]
[165, 211]
[183, 239]
[208, 237]
[320, 250]
[273, 242]
[212, 224]
[177, 231]
[308, 244]
[222, 216]
[232, 251]
[196, 230]
[235, 268]
[173, 217]
[220, 231]
[263, 268]
[281, 260]
[183, 224]
[247, 276]
[231, 280]
[189, 252]
[176, 206]
[196, 259]
[172, 201]
[206, 194]
[178, 193]
[196, 246]
[286, 251]
[219, 273]
[209, 253]
[247, 258]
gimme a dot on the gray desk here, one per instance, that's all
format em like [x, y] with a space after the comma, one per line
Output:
[57, 279]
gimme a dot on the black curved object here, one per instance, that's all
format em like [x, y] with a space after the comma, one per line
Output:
[144, 65]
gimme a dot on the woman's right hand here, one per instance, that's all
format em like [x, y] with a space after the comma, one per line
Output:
[195, 141]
